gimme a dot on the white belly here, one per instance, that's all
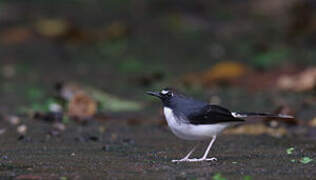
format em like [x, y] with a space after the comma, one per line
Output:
[192, 132]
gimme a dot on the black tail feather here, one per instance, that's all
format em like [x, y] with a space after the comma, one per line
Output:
[264, 115]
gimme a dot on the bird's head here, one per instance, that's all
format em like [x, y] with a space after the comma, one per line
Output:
[165, 95]
[173, 99]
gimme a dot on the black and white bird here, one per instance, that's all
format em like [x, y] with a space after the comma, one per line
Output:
[191, 119]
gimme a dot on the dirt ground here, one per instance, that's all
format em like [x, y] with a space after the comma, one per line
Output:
[145, 152]
[126, 48]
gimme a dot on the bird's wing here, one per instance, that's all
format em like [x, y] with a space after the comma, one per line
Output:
[212, 114]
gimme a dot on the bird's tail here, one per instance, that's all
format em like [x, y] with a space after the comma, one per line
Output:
[260, 115]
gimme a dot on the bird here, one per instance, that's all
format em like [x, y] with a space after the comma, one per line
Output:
[196, 120]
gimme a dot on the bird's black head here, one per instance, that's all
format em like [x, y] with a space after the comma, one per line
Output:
[166, 95]
[178, 102]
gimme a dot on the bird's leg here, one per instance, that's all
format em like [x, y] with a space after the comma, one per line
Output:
[186, 158]
[204, 158]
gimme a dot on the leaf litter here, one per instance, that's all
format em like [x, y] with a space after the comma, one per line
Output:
[288, 78]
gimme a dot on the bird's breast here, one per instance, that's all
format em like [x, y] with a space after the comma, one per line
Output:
[184, 130]
[172, 120]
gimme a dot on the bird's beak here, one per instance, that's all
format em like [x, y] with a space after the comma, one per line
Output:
[157, 94]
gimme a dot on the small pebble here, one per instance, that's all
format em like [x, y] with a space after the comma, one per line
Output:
[14, 120]
[54, 133]
[94, 138]
[8, 71]
[80, 139]
[22, 129]
[22, 137]
[54, 107]
[5, 157]
[2, 131]
[128, 141]
[59, 126]
[106, 148]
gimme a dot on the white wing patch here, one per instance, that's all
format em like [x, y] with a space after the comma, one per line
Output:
[237, 115]
[164, 92]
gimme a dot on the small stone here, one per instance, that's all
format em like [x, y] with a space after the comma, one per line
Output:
[114, 136]
[8, 71]
[5, 157]
[183, 174]
[94, 138]
[128, 141]
[59, 126]
[80, 139]
[26, 139]
[2, 131]
[54, 107]
[22, 129]
[21, 137]
[14, 120]
[106, 148]
[54, 133]
[102, 129]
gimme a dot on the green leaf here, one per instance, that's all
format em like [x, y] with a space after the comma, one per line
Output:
[131, 65]
[306, 160]
[247, 178]
[109, 102]
[35, 93]
[218, 176]
[66, 120]
[271, 58]
[293, 160]
[290, 150]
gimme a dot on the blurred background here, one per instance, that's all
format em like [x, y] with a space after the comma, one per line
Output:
[81, 64]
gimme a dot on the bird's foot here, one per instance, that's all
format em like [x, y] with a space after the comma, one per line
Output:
[194, 160]
[180, 160]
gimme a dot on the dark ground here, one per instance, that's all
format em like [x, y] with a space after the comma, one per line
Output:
[168, 38]
[146, 151]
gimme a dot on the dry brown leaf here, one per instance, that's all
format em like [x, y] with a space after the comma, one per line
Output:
[82, 106]
[313, 122]
[224, 71]
[191, 79]
[29, 177]
[302, 81]
[257, 129]
[15, 35]
[116, 30]
[8, 71]
[52, 27]
[286, 110]
[272, 8]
